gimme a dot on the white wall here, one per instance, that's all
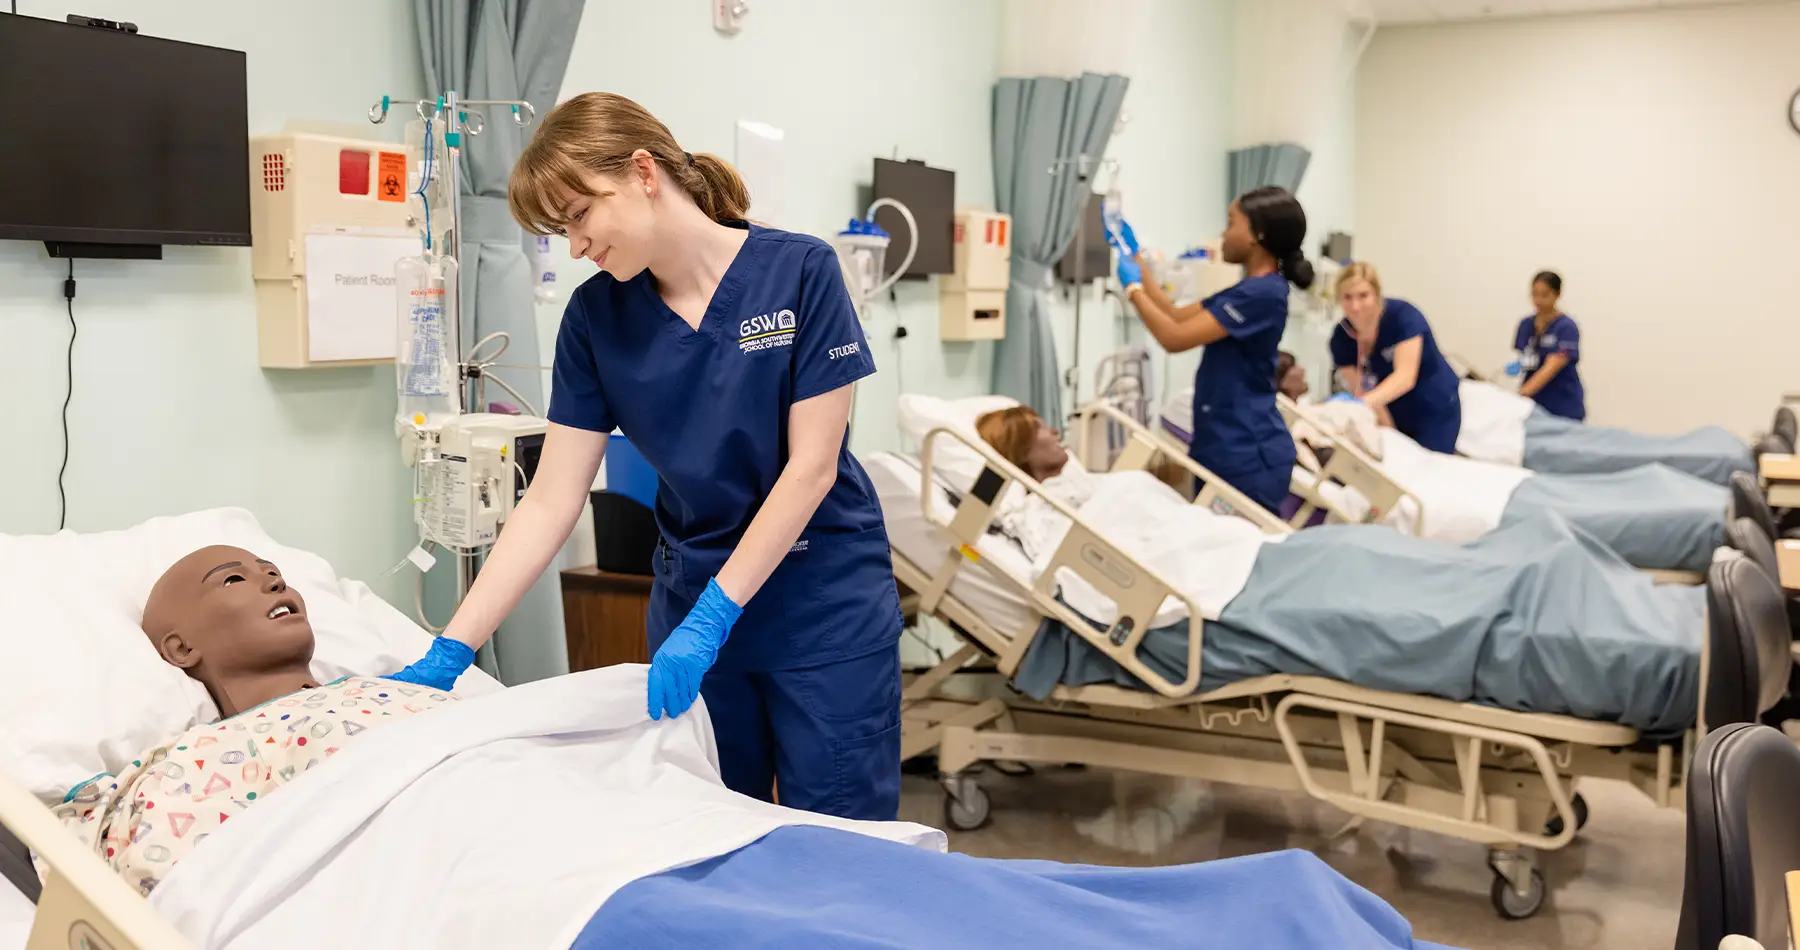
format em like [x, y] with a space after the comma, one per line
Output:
[1643, 155]
[171, 412]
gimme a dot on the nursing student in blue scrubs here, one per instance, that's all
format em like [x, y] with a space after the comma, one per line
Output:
[1549, 348]
[1387, 357]
[725, 352]
[1238, 433]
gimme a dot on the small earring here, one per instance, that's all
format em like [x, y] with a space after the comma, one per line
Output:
[646, 189]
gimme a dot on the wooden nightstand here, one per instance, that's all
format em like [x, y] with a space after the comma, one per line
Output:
[603, 617]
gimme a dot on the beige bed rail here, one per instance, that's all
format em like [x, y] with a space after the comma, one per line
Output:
[1352, 467]
[85, 906]
[1141, 448]
[1137, 591]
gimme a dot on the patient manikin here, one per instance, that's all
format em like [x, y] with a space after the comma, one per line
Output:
[229, 620]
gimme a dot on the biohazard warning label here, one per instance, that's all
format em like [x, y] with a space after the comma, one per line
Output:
[390, 177]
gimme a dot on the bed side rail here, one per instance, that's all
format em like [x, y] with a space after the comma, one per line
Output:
[1136, 590]
[84, 903]
[1141, 448]
[1352, 467]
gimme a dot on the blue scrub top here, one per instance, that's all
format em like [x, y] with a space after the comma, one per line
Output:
[1563, 395]
[1432, 410]
[708, 408]
[1237, 429]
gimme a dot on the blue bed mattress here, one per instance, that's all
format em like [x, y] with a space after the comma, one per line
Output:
[1537, 616]
[1562, 446]
[1652, 516]
[818, 887]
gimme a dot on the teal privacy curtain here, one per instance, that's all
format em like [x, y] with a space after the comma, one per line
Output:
[1258, 166]
[503, 49]
[1041, 126]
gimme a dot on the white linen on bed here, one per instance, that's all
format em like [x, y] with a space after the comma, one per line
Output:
[505, 821]
[1404, 517]
[897, 484]
[1205, 555]
[1493, 423]
[957, 464]
[1463, 498]
[15, 917]
[87, 692]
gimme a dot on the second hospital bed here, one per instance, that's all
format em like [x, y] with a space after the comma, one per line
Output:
[1503, 778]
[445, 830]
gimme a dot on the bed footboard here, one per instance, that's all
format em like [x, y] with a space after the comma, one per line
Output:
[84, 905]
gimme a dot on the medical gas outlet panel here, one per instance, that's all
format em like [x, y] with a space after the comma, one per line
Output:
[972, 298]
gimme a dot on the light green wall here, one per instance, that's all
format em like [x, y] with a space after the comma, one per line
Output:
[171, 412]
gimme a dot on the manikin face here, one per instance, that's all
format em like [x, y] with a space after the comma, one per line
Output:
[1047, 456]
[222, 612]
[1238, 240]
[1293, 382]
[616, 226]
[1360, 302]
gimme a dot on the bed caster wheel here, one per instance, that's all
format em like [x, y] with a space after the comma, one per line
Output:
[1512, 905]
[1554, 826]
[966, 804]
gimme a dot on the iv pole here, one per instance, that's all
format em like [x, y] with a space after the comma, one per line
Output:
[451, 110]
[1085, 166]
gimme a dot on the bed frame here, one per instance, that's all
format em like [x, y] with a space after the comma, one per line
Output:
[84, 904]
[1502, 779]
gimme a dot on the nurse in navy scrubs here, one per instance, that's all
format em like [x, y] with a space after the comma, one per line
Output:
[725, 352]
[1549, 347]
[1387, 357]
[1238, 433]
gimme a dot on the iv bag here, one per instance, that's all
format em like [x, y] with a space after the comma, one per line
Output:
[425, 368]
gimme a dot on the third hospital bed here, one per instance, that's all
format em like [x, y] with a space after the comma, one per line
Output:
[1502, 426]
[1656, 518]
[1501, 777]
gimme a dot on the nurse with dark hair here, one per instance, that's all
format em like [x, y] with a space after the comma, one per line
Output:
[1238, 433]
[1549, 347]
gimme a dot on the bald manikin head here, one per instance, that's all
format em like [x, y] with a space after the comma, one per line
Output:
[227, 618]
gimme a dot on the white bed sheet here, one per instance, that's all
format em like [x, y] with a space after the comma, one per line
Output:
[1493, 423]
[910, 533]
[503, 821]
[15, 918]
[1463, 498]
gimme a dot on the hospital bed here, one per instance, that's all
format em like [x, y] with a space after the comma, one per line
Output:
[376, 849]
[1500, 778]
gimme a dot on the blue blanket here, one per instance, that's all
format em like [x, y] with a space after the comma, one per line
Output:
[821, 888]
[1563, 446]
[1537, 616]
[1653, 516]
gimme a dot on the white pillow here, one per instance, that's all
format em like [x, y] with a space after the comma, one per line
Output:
[957, 464]
[85, 692]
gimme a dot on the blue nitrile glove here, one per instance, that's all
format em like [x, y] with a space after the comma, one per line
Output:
[1342, 397]
[1513, 368]
[1124, 239]
[684, 658]
[1129, 271]
[447, 659]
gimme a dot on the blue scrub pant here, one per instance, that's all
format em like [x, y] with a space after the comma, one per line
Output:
[828, 736]
[1267, 487]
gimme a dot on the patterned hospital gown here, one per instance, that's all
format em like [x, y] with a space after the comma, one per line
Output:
[146, 819]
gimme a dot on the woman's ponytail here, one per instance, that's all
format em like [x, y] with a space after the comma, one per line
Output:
[1279, 224]
[720, 191]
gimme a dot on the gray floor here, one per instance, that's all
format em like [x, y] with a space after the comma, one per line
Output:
[1618, 886]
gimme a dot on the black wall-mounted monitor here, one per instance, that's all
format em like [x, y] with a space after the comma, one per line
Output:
[113, 138]
[930, 194]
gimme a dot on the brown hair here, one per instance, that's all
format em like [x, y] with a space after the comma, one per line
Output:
[1360, 270]
[597, 133]
[1010, 431]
